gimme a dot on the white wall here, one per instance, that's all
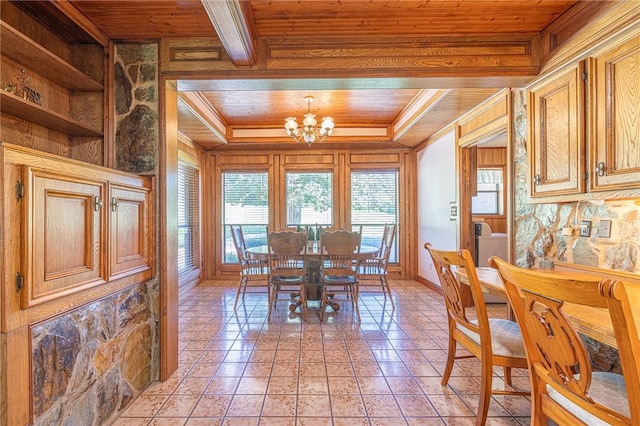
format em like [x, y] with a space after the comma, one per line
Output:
[437, 187]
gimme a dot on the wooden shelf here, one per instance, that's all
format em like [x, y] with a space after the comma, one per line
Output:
[38, 59]
[21, 108]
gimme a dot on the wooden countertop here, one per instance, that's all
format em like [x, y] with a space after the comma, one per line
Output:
[592, 322]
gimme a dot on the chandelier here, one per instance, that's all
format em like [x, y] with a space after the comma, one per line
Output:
[310, 132]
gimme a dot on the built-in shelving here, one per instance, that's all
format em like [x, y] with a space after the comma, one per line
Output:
[22, 108]
[23, 50]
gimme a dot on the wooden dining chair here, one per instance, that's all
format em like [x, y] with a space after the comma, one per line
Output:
[287, 266]
[372, 271]
[254, 271]
[338, 269]
[493, 341]
[564, 386]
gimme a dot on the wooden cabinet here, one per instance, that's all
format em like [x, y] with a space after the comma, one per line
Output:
[577, 139]
[615, 95]
[52, 90]
[73, 232]
[63, 243]
[129, 220]
[556, 156]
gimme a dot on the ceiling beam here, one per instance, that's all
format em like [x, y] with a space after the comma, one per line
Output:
[233, 23]
[205, 113]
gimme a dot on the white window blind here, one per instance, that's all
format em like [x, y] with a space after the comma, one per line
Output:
[245, 202]
[188, 218]
[490, 197]
[374, 203]
[309, 199]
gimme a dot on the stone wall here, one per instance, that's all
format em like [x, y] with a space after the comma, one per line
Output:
[92, 362]
[136, 107]
[538, 227]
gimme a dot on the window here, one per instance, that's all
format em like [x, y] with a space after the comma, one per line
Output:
[309, 199]
[374, 203]
[188, 218]
[490, 199]
[245, 202]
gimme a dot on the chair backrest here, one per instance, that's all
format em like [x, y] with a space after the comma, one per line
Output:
[287, 252]
[239, 242]
[340, 250]
[557, 356]
[387, 241]
[445, 263]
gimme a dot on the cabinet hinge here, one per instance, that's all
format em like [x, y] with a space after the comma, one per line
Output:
[19, 190]
[585, 76]
[585, 176]
[19, 282]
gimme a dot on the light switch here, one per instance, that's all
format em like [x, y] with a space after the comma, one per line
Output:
[604, 229]
[585, 228]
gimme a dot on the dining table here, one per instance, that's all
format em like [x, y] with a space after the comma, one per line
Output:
[312, 280]
[590, 321]
[313, 251]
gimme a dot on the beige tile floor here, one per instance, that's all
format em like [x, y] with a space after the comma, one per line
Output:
[237, 368]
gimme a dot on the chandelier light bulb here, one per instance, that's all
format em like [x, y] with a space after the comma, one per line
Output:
[309, 120]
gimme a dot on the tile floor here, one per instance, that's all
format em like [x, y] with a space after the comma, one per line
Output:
[235, 368]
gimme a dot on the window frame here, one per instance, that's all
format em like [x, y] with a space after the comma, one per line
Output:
[285, 206]
[395, 252]
[501, 202]
[193, 272]
[222, 228]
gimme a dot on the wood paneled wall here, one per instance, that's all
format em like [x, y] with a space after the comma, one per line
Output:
[277, 164]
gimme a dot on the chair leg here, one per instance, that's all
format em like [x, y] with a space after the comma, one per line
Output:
[485, 391]
[271, 296]
[354, 302]
[240, 287]
[451, 358]
[507, 375]
[303, 302]
[323, 303]
[387, 289]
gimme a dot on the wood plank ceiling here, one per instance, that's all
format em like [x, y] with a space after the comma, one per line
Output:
[399, 106]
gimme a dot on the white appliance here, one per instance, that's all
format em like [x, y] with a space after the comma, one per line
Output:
[489, 244]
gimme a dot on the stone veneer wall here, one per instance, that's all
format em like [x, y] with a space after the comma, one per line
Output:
[538, 229]
[136, 99]
[92, 362]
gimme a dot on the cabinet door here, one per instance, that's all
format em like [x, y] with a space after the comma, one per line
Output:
[63, 244]
[129, 242]
[556, 116]
[616, 115]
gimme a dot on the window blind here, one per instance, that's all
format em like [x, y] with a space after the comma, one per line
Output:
[188, 218]
[245, 202]
[309, 199]
[374, 203]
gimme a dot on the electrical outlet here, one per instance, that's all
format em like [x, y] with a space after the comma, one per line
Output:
[604, 229]
[585, 228]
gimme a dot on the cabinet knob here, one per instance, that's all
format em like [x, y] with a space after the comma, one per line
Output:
[537, 179]
[114, 204]
[600, 168]
[97, 203]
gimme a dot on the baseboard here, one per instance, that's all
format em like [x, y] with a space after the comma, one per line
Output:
[429, 284]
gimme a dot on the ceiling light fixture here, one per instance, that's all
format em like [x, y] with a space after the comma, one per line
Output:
[310, 132]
